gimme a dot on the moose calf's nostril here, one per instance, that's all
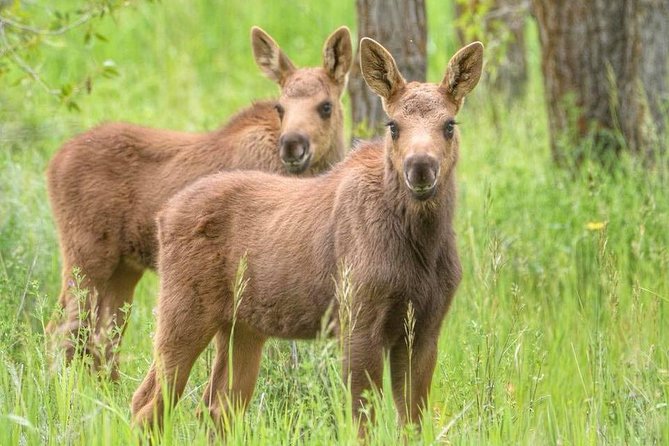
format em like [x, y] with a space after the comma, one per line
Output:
[299, 150]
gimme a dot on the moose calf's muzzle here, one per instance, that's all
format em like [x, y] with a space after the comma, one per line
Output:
[421, 172]
[294, 151]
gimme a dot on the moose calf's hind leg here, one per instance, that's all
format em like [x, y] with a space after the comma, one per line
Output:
[183, 333]
[94, 320]
[219, 369]
[114, 296]
[69, 326]
[223, 394]
[145, 391]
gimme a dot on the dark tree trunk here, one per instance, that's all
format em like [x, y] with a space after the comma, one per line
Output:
[605, 75]
[501, 27]
[400, 26]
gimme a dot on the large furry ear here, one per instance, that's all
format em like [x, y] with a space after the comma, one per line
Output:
[463, 72]
[269, 57]
[338, 55]
[379, 69]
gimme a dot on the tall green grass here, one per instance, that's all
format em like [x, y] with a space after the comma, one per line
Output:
[558, 333]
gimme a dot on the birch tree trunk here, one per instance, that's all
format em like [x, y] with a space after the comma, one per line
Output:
[605, 75]
[400, 26]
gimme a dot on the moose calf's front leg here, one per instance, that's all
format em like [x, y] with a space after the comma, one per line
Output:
[411, 375]
[363, 366]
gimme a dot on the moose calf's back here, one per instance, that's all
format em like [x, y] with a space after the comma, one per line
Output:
[109, 182]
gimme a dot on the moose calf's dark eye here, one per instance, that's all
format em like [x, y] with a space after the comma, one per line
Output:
[325, 109]
[449, 129]
[394, 130]
[279, 110]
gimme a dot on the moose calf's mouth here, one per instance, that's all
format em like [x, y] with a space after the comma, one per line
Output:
[298, 165]
[422, 191]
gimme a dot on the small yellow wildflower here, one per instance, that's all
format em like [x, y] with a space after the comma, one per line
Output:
[595, 225]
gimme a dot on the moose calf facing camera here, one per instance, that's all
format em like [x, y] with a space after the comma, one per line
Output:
[386, 212]
[106, 185]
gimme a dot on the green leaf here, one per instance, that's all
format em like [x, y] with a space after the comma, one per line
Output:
[73, 106]
[109, 69]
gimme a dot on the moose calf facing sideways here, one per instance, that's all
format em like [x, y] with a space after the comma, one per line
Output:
[386, 211]
[106, 185]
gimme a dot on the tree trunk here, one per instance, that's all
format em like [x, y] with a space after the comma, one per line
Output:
[605, 75]
[500, 25]
[400, 26]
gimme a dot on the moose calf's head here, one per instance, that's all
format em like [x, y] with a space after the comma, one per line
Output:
[310, 106]
[422, 140]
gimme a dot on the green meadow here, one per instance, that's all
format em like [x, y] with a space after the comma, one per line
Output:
[559, 332]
